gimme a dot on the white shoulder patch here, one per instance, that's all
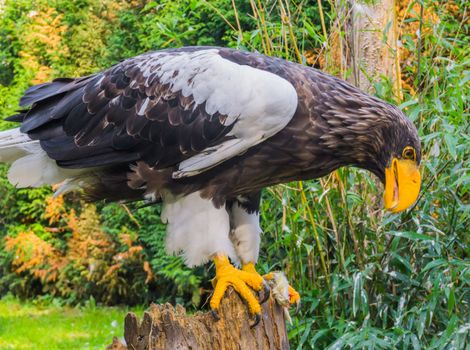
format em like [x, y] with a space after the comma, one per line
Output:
[260, 103]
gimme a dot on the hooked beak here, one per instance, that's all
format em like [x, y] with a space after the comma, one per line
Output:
[402, 184]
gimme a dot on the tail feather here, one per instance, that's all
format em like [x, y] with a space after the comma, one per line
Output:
[30, 165]
[14, 145]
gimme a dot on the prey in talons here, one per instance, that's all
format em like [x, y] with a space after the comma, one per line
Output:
[246, 278]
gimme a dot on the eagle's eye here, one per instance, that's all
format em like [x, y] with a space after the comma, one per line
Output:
[409, 153]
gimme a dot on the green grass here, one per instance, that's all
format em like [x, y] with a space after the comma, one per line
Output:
[27, 325]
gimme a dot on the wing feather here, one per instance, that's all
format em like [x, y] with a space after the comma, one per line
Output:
[188, 107]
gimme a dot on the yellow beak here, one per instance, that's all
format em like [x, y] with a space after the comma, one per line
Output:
[402, 184]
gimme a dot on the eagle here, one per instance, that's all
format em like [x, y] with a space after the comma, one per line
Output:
[203, 130]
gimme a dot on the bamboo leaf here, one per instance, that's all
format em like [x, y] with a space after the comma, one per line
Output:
[434, 263]
[414, 236]
[357, 287]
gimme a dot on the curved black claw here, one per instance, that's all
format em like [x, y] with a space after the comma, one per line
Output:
[257, 319]
[265, 293]
[215, 314]
[297, 307]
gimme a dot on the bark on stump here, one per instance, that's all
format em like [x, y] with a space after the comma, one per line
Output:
[166, 327]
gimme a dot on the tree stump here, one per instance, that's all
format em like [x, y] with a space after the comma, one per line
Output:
[168, 328]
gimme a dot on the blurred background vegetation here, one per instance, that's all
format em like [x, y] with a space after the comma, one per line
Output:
[369, 280]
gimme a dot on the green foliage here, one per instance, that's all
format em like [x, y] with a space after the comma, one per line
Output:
[368, 280]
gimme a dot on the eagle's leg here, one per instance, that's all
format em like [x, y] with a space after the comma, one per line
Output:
[227, 275]
[245, 236]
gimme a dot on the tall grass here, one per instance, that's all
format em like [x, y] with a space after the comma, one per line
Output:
[372, 280]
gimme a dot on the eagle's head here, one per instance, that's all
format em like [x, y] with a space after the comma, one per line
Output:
[395, 156]
[369, 133]
[400, 168]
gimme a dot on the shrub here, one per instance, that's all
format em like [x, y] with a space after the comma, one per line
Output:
[80, 260]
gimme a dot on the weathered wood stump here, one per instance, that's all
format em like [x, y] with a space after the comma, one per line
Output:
[168, 328]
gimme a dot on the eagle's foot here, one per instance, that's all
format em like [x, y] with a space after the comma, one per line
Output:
[227, 275]
[266, 292]
[284, 293]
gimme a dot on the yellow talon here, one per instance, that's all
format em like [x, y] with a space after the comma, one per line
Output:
[294, 296]
[242, 280]
[226, 275]
[269, 276]
[250, 267]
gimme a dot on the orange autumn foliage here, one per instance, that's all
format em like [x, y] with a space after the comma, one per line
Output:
[42, 45]
[408, 13]
[54, 209]
[35, 256]
[111, 268]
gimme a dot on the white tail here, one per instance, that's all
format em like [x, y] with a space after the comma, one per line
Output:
[14, 144]
[30, 165]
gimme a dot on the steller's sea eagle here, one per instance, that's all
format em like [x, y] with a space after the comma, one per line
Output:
[203, 130]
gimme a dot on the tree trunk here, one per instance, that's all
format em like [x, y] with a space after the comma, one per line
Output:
[167, 327]
[364, 42]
